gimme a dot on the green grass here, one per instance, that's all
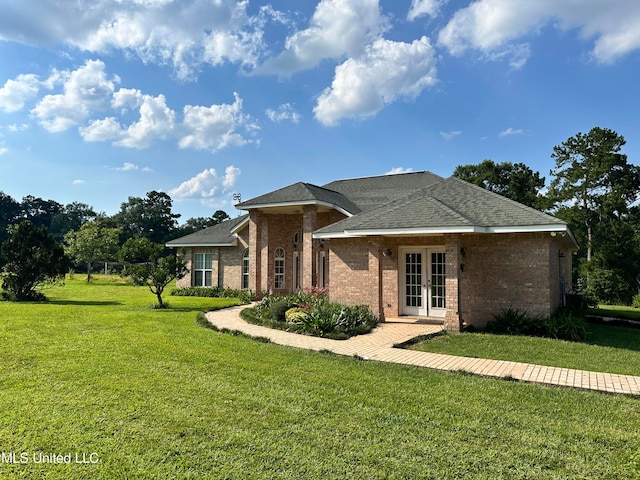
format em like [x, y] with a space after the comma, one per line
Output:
[157, 396]
[616, 311]
[608, 348]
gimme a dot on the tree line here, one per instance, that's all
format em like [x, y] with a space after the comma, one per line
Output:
[40, 239]
[595, 190]
[593, 187]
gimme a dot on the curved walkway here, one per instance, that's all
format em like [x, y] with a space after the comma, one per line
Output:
[378, 345]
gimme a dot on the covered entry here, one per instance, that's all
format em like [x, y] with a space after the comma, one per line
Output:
[422, 281]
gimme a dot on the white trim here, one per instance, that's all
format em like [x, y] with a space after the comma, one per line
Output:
[400, 231]
[239, 226]
[202, 245]
[295, 204]
[446, 230]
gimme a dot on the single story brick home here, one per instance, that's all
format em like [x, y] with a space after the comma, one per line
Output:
[414, 245]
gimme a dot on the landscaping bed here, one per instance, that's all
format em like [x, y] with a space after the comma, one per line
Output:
[309, 312]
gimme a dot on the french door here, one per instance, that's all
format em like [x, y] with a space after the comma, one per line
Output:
[423, 291]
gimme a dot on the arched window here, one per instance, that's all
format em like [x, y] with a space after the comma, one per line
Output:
[278, 269]
[245, 270]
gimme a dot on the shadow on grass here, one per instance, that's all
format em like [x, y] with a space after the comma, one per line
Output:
[85, 303]
[613, 336]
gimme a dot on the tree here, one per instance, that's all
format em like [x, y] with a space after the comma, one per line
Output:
[32, 260]
[92, 242]
[199, 223]
[593, 190]
[155, 271]
[9, 214]
[515, 181]
[39, 211]
[594, 179]
[71, 217]
[148, 217]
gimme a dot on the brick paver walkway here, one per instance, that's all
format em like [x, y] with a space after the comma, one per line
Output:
[378, 345]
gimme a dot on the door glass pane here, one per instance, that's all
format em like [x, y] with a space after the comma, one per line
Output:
[413, 279]
[438, 290]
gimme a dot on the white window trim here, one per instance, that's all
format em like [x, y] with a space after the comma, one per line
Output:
[279, 260]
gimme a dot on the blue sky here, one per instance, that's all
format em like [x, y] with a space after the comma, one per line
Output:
[202, 99]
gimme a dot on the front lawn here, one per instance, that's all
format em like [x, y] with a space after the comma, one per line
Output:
[608, 348]
[616, 311]
[154, 395]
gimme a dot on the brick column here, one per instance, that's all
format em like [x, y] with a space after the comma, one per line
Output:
[215, 267]
[309, 225]
[452, 320]
[255, 252]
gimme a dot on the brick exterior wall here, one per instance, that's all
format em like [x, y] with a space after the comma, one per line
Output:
[226, 266]
[484, 272]
[355, 272]
[278, 231]
[491, 271]
[520, 270]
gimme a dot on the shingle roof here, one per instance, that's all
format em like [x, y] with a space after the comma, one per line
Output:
[372, 192]
[302, 193]
[449, 204]
[217, 235]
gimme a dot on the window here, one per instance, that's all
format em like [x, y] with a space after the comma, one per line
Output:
[203, 269]
[296, 270]
[323, 269]
[245, 270]
[278, 269]
[438, 278]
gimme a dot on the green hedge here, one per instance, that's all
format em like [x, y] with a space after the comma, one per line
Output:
[245, 296]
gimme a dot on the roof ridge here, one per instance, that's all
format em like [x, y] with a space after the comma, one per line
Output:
[521, 206]
[449, 208]
[385, 175]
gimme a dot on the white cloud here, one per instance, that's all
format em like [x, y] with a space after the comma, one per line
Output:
[424, 7]
[399, 170]
[128, 166]
[491, 25]
[450, 135]
[87, 89]
[386, 71]
[15, 93]
[101, 130]
[231, 175]
[510, 131]
[156, 121]
[184, 35]
[214, 128]
[206, 185]
[3, 150]
[14, 127]
[79, 182]
[337, 28]
[284, 112]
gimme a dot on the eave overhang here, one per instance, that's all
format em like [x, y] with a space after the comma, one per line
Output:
[561, 231]
[284, 206]
[202, 244]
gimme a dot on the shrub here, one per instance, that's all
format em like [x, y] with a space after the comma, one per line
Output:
[296, 314]
[512, 321]
[310, 312]
[562, 325]
[636, 301]
[567, 326]
[245, 296]
[278, 309]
